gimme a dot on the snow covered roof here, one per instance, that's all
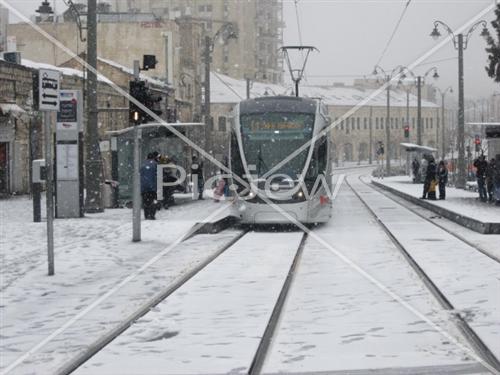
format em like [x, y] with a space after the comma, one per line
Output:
[225, 89]
[64, 71]
[130, 71]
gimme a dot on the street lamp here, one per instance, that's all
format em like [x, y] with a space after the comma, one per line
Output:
[460, 43]
[45, 11]
[226, 31]
[388, 77]
[419, 80]
[443, 144]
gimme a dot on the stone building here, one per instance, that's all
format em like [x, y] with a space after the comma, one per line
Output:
[21, 133]
[351, 135]
[260, 24]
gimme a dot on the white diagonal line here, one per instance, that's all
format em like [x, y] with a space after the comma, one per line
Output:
[381, 89]
[102, 298]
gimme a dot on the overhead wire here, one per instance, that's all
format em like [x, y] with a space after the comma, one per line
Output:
[227, 85]
[299, 30]
[394, 32]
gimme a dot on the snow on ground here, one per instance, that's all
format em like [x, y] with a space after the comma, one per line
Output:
[489, 243]
[334, 319]
[92, 255]
[213, 324]
[463, 202]
[468, 278]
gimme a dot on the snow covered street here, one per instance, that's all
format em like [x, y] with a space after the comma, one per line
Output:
[215, 293]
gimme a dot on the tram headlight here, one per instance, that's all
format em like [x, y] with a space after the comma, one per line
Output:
[299, 196]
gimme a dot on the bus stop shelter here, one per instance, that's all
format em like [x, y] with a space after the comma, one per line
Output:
[418, 149]
[155, 138]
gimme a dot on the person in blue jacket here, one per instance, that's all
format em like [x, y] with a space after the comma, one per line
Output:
[148, 186]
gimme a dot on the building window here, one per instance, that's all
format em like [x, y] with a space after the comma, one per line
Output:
[342, 125]
[413, 122]
[357, 123]
[352, 123]
[397, 123]
[376, 123]
[431, 121]
[222, 124]
[426, 123]
[381, 123]
[365, 122]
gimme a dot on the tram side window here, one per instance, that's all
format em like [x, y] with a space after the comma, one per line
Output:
[322, 156]
[318, 160]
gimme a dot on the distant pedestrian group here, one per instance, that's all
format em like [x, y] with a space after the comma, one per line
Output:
[488, 179]
[436, 177]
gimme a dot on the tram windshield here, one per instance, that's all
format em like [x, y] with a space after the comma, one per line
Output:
[268, 138]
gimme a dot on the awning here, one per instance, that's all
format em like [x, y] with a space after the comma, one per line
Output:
[414, 147]
[6, 108]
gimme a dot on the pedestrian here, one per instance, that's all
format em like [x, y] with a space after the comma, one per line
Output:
[197, 174]
[430, 175]
[148, 186]
[496, 179]
[431, 194]
[415, 166]
[490, 180]
[442, 175]
[481, 165]
[219, 188]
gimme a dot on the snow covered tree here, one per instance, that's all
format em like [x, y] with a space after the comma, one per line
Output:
[493, 67]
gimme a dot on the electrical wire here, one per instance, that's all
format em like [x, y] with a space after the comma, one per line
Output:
[227, 85]
[394, 32]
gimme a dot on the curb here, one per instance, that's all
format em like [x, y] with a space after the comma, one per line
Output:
[211, 227]
[473, 224]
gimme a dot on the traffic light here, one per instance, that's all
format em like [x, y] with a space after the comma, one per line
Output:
[137, 90]
[407, 131]
[147, 98]
[477, 142]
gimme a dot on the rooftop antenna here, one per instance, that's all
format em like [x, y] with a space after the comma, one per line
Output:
[297, 74]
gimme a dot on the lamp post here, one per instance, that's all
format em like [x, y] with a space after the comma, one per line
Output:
[395, 73]
[226, 31]
[419, 81]
[460, 43]
[443, 143]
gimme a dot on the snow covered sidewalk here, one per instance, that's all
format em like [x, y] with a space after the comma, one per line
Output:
[460, 206]
[92, 256]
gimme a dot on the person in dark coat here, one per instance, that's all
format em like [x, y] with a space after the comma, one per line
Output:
[430, 175]
[415, 166]
[490, 179]
[442, 175]
[148, 186]
[481, 165]
[197, 170]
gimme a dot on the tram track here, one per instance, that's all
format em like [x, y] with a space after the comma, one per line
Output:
[416, 212]
[104, 340]
[272, 325]
[273, 309]
[479, 347]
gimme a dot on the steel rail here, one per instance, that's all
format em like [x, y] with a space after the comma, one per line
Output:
[273, 323]
[469, 334]
[102, 342]
[440, 226]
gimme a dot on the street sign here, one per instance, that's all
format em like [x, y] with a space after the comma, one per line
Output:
[49, 86]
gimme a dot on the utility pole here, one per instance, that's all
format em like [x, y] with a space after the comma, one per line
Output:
[388, 129]
[93, 176]
[370, 147]
[461, 112]
[136, 188]
[443, 143]
[419, 111]
[208, 123]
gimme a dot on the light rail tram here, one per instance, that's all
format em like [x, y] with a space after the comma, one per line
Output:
[280, 155]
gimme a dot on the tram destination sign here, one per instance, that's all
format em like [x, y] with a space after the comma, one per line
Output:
[48, 90]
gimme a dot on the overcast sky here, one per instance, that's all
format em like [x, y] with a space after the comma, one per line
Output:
[351, 35]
